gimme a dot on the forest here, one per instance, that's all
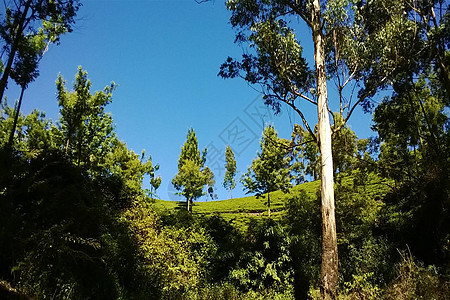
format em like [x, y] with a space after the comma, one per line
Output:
[330, 215]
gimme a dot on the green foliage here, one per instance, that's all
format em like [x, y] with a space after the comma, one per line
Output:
[192, 174]
[87, 130]
[176, 257]
[47, 190]
[414, 152]
[278, 65]
[416, 281]
[26, 29]
[307, 149]
[58, 176]
[230, 245]
[34, 133]
[349, 153]
[366, 256]
[43, 246]
[239, 211]
[302, 218]
[267, 262]
[271, 169]
[230, 170]
[344, 147]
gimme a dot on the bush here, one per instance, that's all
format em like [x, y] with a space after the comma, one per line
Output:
[416, 281]
[267, 263]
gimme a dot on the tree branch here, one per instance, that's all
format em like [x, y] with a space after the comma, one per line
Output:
[300, 13]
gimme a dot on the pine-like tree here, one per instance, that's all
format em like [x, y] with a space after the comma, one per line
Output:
[271, 169]
[228, 181]
[192, 174]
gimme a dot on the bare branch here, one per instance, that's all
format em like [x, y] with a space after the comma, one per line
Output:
[299, 112]
[351, 76]
[301, 95]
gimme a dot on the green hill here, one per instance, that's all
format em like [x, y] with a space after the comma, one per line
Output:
[240, 210]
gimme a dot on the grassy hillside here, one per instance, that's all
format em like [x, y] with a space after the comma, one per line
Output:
[240, 210]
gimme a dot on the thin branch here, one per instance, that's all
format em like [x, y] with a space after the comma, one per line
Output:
[288, 148]
[301, 14]
[301, 95]
[299, 112]
[350, 77]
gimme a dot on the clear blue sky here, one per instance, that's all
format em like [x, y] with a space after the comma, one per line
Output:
[165, 56]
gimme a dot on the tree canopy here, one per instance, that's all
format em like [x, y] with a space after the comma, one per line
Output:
[271, 169]
[192, 174]
[27, 29]
[230, 170]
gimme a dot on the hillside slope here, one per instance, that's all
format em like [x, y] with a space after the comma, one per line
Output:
[240, 210]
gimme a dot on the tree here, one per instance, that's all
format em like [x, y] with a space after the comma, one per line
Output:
[363, 46]
[155, 182]
[87, 130]
[270, 170]
[414, 143]
[27, 49]
[192, 174]
[26, 31]
[282, 72]
[228, 181]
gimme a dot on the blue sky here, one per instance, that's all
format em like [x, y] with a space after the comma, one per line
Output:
[165, 56]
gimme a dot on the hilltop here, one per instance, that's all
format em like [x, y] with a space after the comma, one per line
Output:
[239, 211]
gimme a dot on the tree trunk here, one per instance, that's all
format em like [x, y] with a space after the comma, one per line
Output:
[329, 268]
[16, 117]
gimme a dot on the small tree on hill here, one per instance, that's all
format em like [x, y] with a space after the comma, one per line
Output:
[229, 182]
[271, 169]
[192, 174]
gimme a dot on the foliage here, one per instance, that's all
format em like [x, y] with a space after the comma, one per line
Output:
[346, 154]
[414, 151]
[192, 174]
[416, 281]
[26, 31]
[365, 255]
[35, 133]
[44, 248]
[267, 262]
[56, 176]
[228, 181]
[239, 211]
[230, 245]
[46, 192]
[176, 257]
[302, 218]
[271, 169]
[87, 131]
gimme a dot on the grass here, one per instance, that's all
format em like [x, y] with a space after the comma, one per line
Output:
[239, 211]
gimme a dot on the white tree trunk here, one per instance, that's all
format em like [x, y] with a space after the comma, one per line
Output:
[329, 268]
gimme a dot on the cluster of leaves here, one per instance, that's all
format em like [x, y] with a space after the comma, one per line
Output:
[27, 29]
